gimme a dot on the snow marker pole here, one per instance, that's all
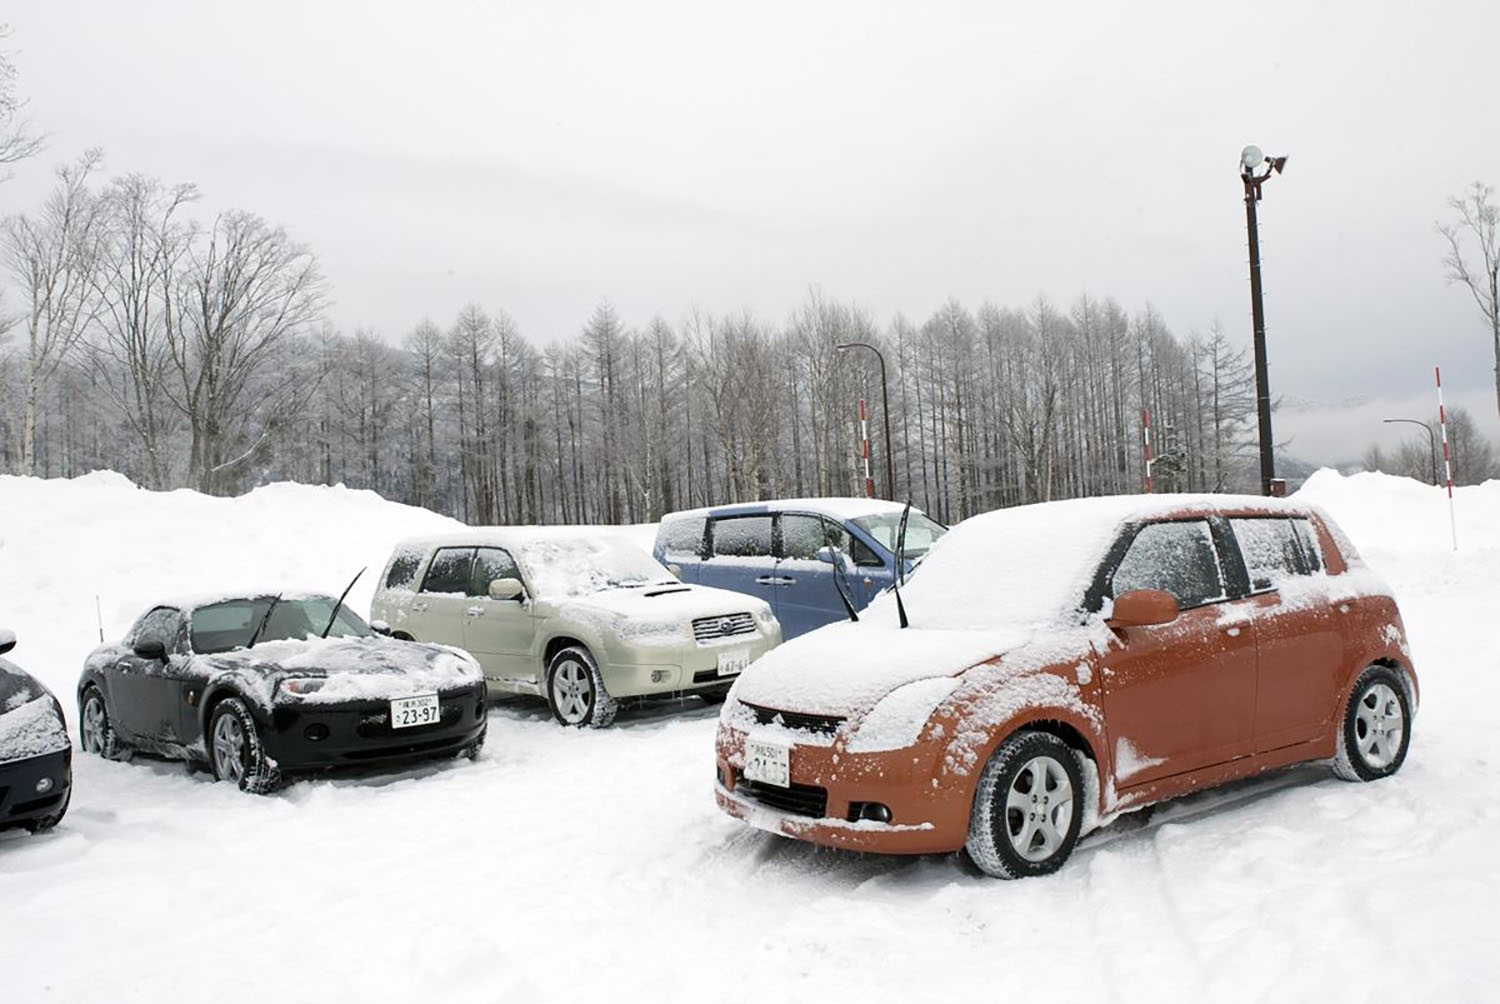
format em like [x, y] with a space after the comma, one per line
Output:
[864, 435]
[1146, 447]
[1447, 462]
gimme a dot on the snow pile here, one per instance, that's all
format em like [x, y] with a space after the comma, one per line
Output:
[609, 845]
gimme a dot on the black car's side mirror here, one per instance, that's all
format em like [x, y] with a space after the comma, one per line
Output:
[151, 650]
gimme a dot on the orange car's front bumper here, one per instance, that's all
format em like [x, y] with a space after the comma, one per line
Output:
[926, 817]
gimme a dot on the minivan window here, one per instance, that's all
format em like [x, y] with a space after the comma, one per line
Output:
[743, 536]
[803, 535]
[683, 538]
[449, 572]
[1275, 548]
[491, 563]
[1177, 558]
[921, 532]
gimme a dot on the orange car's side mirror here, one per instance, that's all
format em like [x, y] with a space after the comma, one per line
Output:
[1143, 608]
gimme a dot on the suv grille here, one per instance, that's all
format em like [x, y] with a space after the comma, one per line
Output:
[707, 629]
[798, 800]
[823, 724]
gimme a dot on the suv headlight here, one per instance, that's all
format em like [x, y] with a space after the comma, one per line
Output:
[766, 617]
[897, 718]
[300, 686]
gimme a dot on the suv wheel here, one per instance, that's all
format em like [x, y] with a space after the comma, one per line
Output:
[1027, 809]
[575, 691]
[235, 752]
[1375, 732]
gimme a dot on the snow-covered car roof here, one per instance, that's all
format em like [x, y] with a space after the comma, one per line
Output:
[191, 601]
[832, 507]
[560, 561]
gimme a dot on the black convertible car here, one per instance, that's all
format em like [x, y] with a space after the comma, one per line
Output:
[36, 759]
[265, 687]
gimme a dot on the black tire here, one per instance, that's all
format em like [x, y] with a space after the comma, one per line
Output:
[1369, 747]
[96, 732]
[243, 762]
[575, 690]
[44, 823]
[1033, 832]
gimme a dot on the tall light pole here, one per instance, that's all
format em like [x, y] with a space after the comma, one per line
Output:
[1251, 159]
[1431, 440]
[885, 409]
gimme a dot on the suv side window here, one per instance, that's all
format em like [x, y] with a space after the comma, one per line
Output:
[449, 571]
[1177, 558]
[1276, 548]
[403, 571]
[164, 624]
[683, 538]
[742, 536]
[491, 563]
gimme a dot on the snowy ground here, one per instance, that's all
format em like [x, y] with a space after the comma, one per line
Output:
[571, 863]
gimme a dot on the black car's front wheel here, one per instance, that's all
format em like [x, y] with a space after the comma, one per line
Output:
[235, 751]
[1027, 810]
[95, 732]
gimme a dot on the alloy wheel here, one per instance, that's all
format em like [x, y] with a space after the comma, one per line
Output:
[95, 721]
[1039, 808]
[229, 748]
[572, 687]
[1379, 726]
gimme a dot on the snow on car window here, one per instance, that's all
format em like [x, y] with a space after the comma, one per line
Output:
[1274, 550]
[576, 565]
[802, 536]
[1177, 558]
[683, 538]
[405, 564]
[450, 571]
[743, 536]
[221, 627]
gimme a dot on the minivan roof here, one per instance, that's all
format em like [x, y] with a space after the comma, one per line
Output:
[832, 507]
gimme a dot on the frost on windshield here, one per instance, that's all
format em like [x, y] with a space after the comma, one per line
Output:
[576, 566]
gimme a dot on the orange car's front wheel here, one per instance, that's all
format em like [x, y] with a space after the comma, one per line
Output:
[1027, 809]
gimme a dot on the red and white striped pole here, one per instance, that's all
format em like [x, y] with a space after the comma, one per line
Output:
[1146, 447]
[864, 435]
[1447, 463]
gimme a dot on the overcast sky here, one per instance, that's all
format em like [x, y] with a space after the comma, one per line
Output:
[541, 157]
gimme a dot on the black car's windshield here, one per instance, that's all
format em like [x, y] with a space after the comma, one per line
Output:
[921, 532]
[219, 627]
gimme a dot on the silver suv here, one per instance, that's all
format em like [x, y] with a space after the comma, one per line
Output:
[581, 618]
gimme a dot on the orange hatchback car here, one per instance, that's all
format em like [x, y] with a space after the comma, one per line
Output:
[1067, 662]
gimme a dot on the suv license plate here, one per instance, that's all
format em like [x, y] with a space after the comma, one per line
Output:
[734, 661]
[407, 712]
[769, 763]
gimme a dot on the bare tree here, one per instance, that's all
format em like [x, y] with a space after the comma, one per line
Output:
[249, 290]
[1478, 223]
[17, 141]
[51, 256]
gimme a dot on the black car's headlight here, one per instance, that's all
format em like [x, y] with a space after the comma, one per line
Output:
[300, 686]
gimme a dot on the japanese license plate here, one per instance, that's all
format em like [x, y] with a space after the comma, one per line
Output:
[769, 763]
[733, 661]
[407, 712]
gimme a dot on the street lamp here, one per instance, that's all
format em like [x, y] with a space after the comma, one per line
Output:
[1251, 159]
[885, 408]
[1431, 440]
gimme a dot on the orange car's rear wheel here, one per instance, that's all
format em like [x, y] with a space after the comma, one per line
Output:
[1027, 809]
[1376, 730]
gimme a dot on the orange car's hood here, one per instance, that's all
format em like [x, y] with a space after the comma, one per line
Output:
[844, 668]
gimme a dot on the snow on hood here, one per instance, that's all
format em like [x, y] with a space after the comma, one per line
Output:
[845, 668]
[675, 601]
[30, 725]
[355, 668]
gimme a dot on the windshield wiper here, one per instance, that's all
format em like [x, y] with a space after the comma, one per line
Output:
[263, 618]
[901, 564]
[335, 615]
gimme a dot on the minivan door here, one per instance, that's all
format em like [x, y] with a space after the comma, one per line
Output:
[806, 591]
[740, 556]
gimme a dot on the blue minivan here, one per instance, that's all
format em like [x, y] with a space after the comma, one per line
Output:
[772, 550]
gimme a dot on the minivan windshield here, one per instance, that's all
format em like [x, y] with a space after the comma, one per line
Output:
[921, 532]
[575, 566]
[220, 627]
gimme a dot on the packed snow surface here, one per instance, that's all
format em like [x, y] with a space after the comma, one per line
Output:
[570, 865]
